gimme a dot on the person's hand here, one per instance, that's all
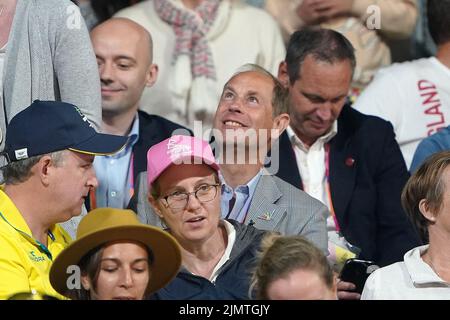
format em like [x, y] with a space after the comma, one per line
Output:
[333, 8]
[316, 11]
[308, 13]
[344, 291]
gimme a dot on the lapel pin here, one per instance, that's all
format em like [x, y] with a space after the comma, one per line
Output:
[266, 216]
[349, 162]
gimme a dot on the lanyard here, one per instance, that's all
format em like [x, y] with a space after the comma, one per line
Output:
[131, 171]
[92, 192]
[327, 186]
[37, 243]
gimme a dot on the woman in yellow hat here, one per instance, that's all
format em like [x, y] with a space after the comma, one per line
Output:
[115, 257]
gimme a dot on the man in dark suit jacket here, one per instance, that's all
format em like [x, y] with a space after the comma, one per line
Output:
[367, 174]
[348, 160]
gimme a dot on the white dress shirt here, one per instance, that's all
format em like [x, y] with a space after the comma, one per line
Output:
[311, 163]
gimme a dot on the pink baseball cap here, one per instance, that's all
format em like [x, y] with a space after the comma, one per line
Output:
[178, 149]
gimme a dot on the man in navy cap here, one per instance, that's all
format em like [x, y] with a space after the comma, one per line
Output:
[50, 147]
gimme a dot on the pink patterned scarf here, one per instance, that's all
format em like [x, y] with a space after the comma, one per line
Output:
[190, 28]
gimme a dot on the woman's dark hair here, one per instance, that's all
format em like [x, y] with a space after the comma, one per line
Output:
[90, 266]
[105, 9]
[438, 14]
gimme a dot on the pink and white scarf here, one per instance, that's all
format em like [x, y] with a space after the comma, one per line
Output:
[190, 28]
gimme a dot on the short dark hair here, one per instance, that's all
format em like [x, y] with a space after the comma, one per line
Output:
[438, 14]
[105, 9]
[323, 44]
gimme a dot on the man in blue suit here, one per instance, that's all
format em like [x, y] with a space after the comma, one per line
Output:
[349, 161]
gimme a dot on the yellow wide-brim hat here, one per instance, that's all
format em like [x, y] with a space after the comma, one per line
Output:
[104, 225]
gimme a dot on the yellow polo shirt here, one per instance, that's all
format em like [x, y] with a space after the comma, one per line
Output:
[24, 262]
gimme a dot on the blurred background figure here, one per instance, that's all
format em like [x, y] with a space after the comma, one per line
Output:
[292, 268]
[95, 12]
[422, 43]
[415, 96]
[425, 271]
[198, 45]
[439, 141]
[115, 257]
[372, 26]
[45, 54]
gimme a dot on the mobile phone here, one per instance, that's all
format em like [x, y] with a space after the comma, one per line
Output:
[357, 271]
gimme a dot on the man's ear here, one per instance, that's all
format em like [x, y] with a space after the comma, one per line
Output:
[280, 123]
[44, 168]
[283, 75]
[152, 75]
[424, 208]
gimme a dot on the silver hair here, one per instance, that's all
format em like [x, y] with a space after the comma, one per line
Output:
[251, 67]
[19, 171]
[280, 95]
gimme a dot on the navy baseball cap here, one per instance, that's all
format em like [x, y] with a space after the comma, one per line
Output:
[50, 126]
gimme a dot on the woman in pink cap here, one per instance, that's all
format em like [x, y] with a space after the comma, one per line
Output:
[217, 255]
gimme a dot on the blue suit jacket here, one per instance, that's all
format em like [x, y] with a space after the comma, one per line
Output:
[367, 175]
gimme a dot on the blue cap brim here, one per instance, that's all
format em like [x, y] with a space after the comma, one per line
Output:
[101, 144]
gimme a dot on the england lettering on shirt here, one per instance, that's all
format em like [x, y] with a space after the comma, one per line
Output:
[432, 106]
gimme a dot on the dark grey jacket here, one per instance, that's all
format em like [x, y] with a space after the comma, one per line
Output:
[233, 281]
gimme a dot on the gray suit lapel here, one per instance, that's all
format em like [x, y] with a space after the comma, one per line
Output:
[263, 211]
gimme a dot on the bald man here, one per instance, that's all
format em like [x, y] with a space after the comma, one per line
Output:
[124, 52]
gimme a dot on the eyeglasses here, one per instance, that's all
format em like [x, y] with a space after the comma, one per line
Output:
[204, 193]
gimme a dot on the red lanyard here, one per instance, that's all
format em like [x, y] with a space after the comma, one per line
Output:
[327, 185]
[131, 171]
[92, 192]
